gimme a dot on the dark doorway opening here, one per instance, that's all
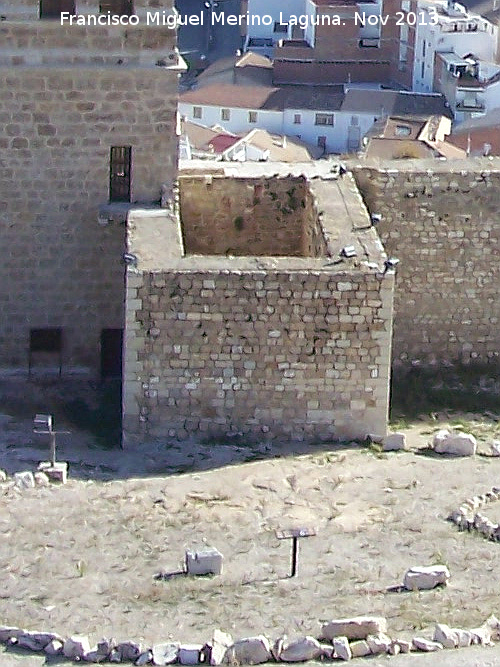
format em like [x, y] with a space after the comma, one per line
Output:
[119, 173]
[46, 344]
[111, 353]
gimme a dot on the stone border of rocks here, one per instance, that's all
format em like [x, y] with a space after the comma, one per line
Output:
[25, 479]
[356, 637]
[467, 517]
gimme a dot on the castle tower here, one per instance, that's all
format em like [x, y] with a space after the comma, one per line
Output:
[87, 132]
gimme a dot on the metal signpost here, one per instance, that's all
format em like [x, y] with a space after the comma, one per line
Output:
[295, 534]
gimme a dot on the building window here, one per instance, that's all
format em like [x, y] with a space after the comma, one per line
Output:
[48, 341]
[252, 116]
[403, 131]
[225, 114]
[324, 119]
[197, 112]
[297, 119]
[322, 142]
[355, 120]
[51, 9]
[280, 27]
[423, 48]
[423, 70]
[117, 7]
[119, 173]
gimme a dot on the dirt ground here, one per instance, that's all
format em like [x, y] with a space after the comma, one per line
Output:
[81, 558]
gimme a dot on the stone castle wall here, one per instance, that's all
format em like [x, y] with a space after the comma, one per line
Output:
[442, 221]
[253, 216]
[267, 347]
[63, 105]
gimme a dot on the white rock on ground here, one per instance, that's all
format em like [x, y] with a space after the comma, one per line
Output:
[425, 578]
[76, 647]
[55, 647]
[451, 637]
[301, 650]
[41, 479]
[360, 649]
[144, 659]
[426, 645]
[394, 442]
[24, 480]
[250, 651]
[327, 651]
[221, 641]
[3, 476]
[380, 643]
[404, 645]
[358, 627]
[277, 647]
[495, 448]
[455, 443]
[341, 648]
[166, 654]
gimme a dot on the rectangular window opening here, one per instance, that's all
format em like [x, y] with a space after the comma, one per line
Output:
[47, 341]
[119, 173]
[117, 7]
[51, 9]
[324, 119]
[252, 116]
[197, 112]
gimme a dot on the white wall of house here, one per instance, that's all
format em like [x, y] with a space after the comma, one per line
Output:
[343, 136]
[272, 121]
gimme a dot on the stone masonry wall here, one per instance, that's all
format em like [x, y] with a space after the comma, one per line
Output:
[442, 221]
[266, 354]
[253, 216]
[60, 267]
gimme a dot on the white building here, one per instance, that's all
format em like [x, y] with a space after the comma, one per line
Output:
[267, 22]
[334, 118]
[447, 27]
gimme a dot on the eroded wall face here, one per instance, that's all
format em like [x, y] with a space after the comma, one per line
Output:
[445, 229]
[274, 354]
[222, 216]
[60, 268]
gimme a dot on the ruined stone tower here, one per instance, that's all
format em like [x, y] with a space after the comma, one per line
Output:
[87, 131]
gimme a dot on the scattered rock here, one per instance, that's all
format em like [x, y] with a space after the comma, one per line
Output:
[277, 647]
[404, 646]
[166, 654]
[205, 561]
[394, 648]
[54, 647]
[115, 656]
[35, 641]
[129, 651]
[380, 643]
[394, 442]
[495, 448]
[144, 659]
[494, 625]
[425, 578]
[360, 649]
[447, 636]
[189, 654]
[8, 632]
[250, 651]
[301, 650]
[41, 479]
[426, 645]
[327, 651]
[76, 647]
[221, 641]
[94, 656]
[341, 648]
[24, 480]
[454, 443]
[3, 476]
[358, 627]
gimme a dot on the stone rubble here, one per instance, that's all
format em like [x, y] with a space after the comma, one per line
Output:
[256, 650]
[426, 578]
[394, 442]
[467, 516]
[454, 443]
[24, 480]
[358, 627]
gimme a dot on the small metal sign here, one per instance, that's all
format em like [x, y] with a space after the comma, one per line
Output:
[295, 534]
